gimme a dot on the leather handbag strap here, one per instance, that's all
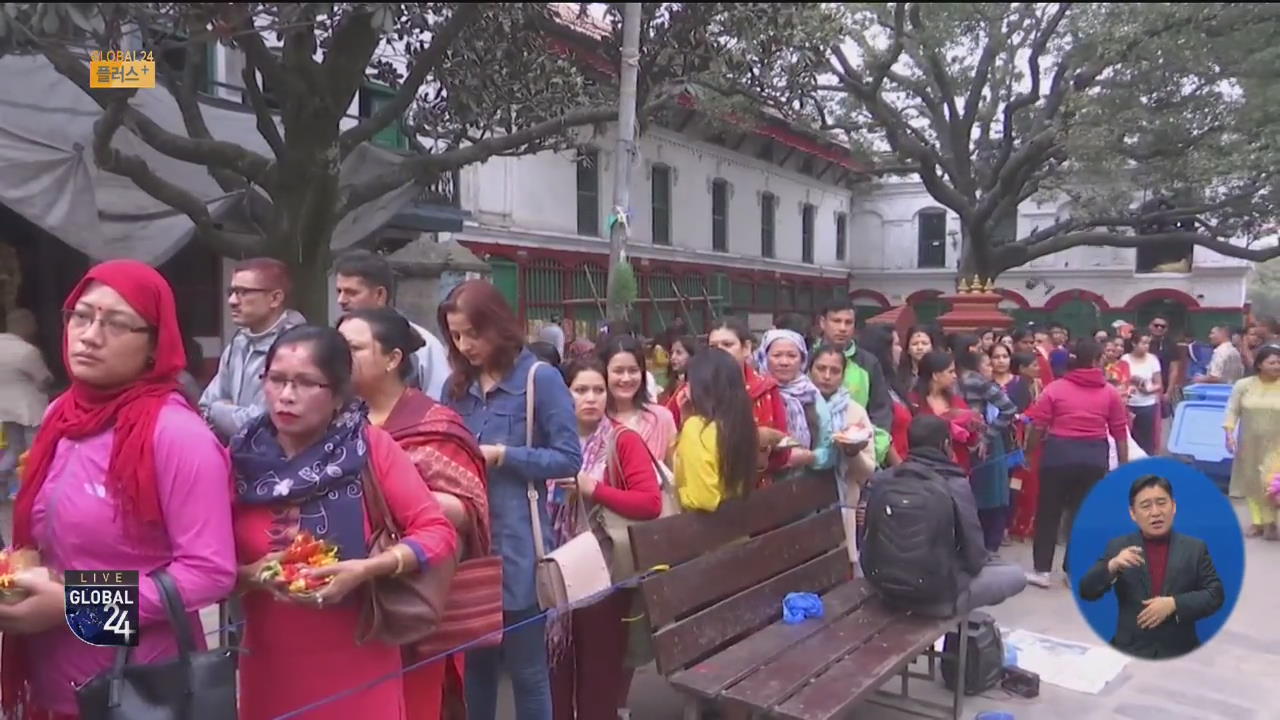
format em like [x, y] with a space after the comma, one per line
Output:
[376, 502]
[173, 606]
[535, 517]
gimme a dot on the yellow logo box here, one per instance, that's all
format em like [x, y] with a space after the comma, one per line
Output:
[122, 74]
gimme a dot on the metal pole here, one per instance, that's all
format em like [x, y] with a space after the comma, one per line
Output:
[626, 154]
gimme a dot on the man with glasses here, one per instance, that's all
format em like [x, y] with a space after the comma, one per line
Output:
[257, 300]
[1164, 581]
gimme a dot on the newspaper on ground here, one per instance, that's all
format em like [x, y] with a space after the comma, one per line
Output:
[1072, 665]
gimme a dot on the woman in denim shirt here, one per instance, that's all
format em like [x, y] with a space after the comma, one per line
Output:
[490, 371]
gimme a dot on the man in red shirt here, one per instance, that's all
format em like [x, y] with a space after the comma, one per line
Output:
[1164, 581]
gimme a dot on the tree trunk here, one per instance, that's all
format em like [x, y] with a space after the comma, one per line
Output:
[975, 255]
[305, 214]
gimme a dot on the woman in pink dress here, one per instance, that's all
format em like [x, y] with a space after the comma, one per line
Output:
[123, 475]
[299, 468]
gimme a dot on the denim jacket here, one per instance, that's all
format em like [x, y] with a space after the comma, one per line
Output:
[499, 419]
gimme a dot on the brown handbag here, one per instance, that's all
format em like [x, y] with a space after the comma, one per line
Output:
[577, 569]
[401, 609]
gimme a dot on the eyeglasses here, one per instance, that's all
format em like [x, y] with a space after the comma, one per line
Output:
[301, 385]
[240, 292]
[114, 328]
[1158, 326]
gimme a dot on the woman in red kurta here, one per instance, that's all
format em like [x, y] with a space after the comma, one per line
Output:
[450, 463]
[936, 394]
[299, 467]
[767, 405]
[587, 652]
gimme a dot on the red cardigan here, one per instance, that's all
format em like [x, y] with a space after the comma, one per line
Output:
[630, 487]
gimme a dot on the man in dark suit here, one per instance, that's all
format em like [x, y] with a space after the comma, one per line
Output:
[1164, 581]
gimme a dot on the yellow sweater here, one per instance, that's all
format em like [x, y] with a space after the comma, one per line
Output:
[697, 466]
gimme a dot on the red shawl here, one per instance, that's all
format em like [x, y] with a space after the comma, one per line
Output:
[85, 411]
[447, 457]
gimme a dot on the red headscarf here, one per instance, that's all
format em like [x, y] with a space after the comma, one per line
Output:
[132, 409]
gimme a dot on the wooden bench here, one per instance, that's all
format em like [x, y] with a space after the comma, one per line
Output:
[716, 612]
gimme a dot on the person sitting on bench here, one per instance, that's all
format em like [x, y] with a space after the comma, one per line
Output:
[924, 549]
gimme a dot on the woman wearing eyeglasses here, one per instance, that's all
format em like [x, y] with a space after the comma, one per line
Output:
[123, 475]
[304, 466]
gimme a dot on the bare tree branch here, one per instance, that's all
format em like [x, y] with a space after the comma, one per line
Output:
[208, 153]
[346, 59]
[422, 169]
[266, 119]
[423, 65]
[136, 169]
[184, 92]
[1010, 256]
[263, 58]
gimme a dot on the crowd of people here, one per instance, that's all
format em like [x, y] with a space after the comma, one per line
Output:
[489, 451]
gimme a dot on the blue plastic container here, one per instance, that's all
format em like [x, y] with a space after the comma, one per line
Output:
[993, 715]
[1209, 392]
[1197, 435]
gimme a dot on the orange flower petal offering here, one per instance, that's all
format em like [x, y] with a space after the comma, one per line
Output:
[13, 562]
[304, 553]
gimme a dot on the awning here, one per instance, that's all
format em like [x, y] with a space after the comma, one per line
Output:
[47, 173]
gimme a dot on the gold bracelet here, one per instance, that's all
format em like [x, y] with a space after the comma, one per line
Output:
[395, 550]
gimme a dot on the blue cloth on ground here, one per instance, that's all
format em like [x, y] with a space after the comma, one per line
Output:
[798, 607]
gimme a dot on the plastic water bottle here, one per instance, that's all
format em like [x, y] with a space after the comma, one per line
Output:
[1010, 656]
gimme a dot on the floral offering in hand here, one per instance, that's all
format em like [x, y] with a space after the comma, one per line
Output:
[13, 562]
[289, 573]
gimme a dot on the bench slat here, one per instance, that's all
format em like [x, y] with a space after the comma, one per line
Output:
[703, 633]
[711, 676]
[730, 570]
[681, 538]
[778, 680]
[837, 690]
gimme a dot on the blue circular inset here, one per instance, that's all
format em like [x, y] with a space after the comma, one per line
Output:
[1203, 512]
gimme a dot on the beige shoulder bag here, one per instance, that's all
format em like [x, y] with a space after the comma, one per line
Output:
[576, 570]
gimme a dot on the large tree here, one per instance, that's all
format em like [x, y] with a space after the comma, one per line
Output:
[1153, 123]
[472, 81]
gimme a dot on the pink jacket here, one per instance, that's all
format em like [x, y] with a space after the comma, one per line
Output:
[1082, 405]
[77, 527]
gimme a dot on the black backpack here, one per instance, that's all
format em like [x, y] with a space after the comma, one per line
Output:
[909, 553]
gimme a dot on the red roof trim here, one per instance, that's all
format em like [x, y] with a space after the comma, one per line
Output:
[776, 131]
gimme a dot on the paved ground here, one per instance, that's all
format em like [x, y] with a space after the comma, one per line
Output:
[1229, 679]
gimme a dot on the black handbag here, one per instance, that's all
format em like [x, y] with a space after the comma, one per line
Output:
[193, 686]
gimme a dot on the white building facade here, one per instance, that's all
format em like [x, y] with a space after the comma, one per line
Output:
[906, 250]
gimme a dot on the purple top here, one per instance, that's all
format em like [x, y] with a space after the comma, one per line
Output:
[76, 527]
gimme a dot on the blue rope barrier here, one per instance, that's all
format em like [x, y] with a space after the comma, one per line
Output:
[544, 615]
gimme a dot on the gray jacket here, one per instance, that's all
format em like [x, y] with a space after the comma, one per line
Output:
[234, 396]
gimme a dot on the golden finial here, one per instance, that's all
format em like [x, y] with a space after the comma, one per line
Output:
[991, 285]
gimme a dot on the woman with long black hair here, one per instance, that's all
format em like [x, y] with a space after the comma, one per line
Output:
[882, 342]
[716, 454]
